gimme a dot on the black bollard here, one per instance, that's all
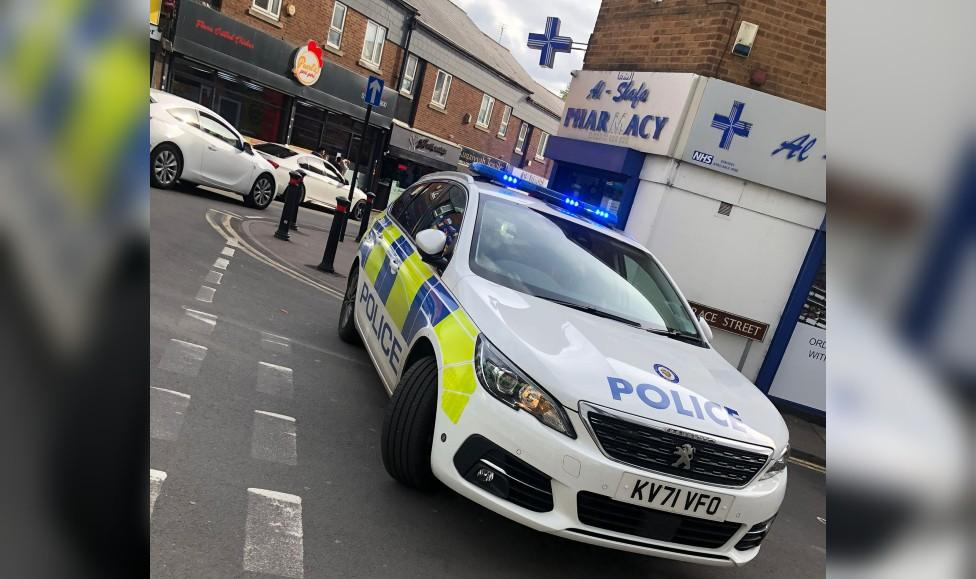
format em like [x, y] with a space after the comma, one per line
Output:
[364, 220]
[301, 193]
[290, 211]
[338, 225]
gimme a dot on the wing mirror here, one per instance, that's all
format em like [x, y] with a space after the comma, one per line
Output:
[706, 329]
[431, 243]
[248, 148]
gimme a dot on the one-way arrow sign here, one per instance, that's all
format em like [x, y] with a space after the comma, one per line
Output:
[374, 91]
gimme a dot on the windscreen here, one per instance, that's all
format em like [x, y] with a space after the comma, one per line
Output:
[558, 259]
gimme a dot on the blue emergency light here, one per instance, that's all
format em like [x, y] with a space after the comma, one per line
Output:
[568, 203]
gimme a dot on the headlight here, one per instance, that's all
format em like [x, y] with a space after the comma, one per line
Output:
[779, 465]
[503, 380]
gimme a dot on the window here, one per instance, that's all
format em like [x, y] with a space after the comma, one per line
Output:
[188, 116]
[335, 27]
[546, 256]
[312, 164]
[540, 151]
[212, 126]
[484, 113]
[270, 7]
[409, 76]
[373, 44]
[333, 173]
[506, 117]
[275, 150]
[442, 86]
[523, 131]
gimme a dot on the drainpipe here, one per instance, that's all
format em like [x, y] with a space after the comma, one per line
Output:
[406, 51]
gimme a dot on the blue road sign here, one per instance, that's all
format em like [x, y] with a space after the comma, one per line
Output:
[549, 43]
[374, 91]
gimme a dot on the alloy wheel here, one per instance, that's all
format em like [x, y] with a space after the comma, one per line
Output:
[165, 166]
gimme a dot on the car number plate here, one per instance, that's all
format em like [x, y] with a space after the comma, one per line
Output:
[665, 496]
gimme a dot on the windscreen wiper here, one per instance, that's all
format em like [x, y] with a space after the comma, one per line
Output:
[676, 335]
[594, 311]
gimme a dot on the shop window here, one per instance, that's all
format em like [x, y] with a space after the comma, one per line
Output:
[373, 44]
[540, 151]
[270, 8]
[484, 113]
[442, 86]
[506, 118]
[520, 143]
[258, 111]
[337, 25]
[409, 76]
[193, 82]
[593, 186]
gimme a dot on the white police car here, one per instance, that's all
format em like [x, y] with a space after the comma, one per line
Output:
[546, 367]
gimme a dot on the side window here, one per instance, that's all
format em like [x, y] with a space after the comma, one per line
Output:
[421, 205]
[399, 205]
[310, 164]
[332, 172]
[445, 211]
[218, 129]
[188, 116]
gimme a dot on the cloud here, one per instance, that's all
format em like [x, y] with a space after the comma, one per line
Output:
[520, 17]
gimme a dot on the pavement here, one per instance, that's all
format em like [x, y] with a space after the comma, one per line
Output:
[265, 430]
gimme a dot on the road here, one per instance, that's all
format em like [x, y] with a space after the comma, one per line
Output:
[263, 420]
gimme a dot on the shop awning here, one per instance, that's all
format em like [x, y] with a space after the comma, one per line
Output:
[222, 42]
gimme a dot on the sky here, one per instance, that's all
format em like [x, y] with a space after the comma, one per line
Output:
[520, 17]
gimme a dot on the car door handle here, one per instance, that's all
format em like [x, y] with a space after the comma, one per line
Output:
[211, 147]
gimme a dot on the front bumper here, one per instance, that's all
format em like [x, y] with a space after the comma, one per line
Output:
[578, 466]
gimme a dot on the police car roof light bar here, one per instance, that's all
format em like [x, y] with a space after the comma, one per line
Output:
[544, 193]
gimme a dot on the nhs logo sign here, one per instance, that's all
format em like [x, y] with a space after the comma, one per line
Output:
[700, 157]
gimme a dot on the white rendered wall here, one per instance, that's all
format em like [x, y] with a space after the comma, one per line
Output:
[745, 263]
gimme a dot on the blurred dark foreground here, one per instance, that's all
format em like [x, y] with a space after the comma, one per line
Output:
[74, 288]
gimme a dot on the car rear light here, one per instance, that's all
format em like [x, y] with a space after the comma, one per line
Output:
[273, 164]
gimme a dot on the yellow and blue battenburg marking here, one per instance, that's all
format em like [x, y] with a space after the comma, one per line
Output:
[415, 299]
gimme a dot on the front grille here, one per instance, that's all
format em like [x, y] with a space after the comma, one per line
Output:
[606, 513]
[653, 449]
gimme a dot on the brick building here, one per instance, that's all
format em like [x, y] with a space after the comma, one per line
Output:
[452, 94]
[711, 153]
[697, 35]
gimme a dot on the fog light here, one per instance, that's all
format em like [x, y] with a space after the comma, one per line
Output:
[485, 475]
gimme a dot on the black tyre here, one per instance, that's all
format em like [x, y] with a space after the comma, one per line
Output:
[262, 192]
[359, 211]
[408, 430]
[347, 312]
[165, 166]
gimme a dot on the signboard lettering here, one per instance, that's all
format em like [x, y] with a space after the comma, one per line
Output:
[732, 323]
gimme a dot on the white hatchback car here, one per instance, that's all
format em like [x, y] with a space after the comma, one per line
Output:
[191, 143]
[323, 182]
[547, 367]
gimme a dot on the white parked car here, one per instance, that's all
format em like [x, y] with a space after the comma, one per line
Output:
[191, 143]
[323, 182]
[547, 367]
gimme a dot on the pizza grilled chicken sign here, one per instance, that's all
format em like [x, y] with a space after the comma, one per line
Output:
[308, 63]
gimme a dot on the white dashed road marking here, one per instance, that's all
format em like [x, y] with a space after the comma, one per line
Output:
[197, 321]
[273, 438]
[213, 277]
[273, 540]
[167, 409]
[275, 343]
[275, 380]
[206, 294]
[183, 357]
[156, 478]
[227, 252]
[221, 263]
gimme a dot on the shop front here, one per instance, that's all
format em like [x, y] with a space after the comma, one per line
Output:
[726, 186]
[612, 120]
[271, 90]
[411, 155]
